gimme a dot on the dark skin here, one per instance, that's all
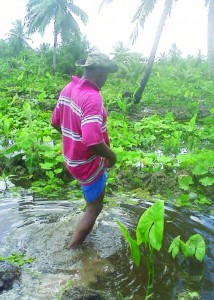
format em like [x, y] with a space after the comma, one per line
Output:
[92, 210]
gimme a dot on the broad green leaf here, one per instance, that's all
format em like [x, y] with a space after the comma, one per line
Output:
[183, 200]
[31, 161]
[50, 174]
[184, 182]
[200, 169]
[16, 259]
[200, 246]
[165, 159]
[9, 150]
[41, 96]
[135, 251]
[59, 158]
[27, 109]
[185, 158]
[206, 181]
[202, 200]
[3, 258]
[174, 247]
[192, 123]
[188, 248]
[58, 170]
[26, 140]
[46, 166]
[194, 246]
[150, 226]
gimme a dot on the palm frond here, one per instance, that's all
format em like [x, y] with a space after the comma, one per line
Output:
[18, 35]
[104, 2]
[146, 8]
[79, 12]
[41, 12]
[134, 34]
[68, 28]
[39, 15]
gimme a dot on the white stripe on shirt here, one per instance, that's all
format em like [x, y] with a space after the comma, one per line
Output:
[91, 119]
[76, 163]
[95, 174]
[70, 103]
[71, 134]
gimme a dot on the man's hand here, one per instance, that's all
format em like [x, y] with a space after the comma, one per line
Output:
[104, 151]
[112, 160]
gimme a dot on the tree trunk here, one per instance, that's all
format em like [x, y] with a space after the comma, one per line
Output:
[210, 37]
[54, 51]
[165, 13]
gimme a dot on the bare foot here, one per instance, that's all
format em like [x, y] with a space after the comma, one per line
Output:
[72, 246]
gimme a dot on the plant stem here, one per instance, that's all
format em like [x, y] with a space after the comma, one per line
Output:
[151, 272]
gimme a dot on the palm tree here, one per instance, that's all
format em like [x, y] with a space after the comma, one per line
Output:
[41, 12]
[144, 10]
[210, 37]
[119, 48]
[18, 36]
[70, 52]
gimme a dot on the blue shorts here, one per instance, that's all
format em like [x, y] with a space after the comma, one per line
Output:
[92, 191]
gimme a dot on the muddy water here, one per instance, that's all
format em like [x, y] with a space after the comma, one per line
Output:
[42, 229]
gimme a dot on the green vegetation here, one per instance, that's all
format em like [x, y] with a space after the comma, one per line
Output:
[68, 285]
[61, 12]
[166, 141]
[149, 235]
[17, 258]
[139, 19]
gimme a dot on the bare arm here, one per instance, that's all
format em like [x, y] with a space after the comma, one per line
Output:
[56, 127]
[104, 151]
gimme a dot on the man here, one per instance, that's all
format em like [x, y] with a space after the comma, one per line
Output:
[81, 118]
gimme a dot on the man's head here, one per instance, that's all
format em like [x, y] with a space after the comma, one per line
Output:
[97, 66]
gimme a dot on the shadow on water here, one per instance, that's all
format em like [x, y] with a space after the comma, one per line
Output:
[42, 229]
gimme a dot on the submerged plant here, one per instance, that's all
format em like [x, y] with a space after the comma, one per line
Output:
[149, 235]
[17, 258]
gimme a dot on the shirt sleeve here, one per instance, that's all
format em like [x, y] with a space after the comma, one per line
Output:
[92, 121]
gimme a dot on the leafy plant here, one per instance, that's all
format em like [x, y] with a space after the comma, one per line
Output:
[17, 258]
[145, 143]
[149, 234]
[195, 246]
[68, 285]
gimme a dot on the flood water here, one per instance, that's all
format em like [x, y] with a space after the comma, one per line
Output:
[42, 228]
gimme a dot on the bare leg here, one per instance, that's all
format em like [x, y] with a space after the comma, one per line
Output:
[87, 222]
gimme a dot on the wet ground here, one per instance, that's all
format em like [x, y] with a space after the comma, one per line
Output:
[42, 228]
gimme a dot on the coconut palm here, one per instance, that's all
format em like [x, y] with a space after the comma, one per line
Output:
[210, 37]
[144, 10]
[41, 12]
[70, 52]
[18, 37]
[119, 47]
[146, 7]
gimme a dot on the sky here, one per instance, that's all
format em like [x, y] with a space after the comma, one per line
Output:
[186, 27]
